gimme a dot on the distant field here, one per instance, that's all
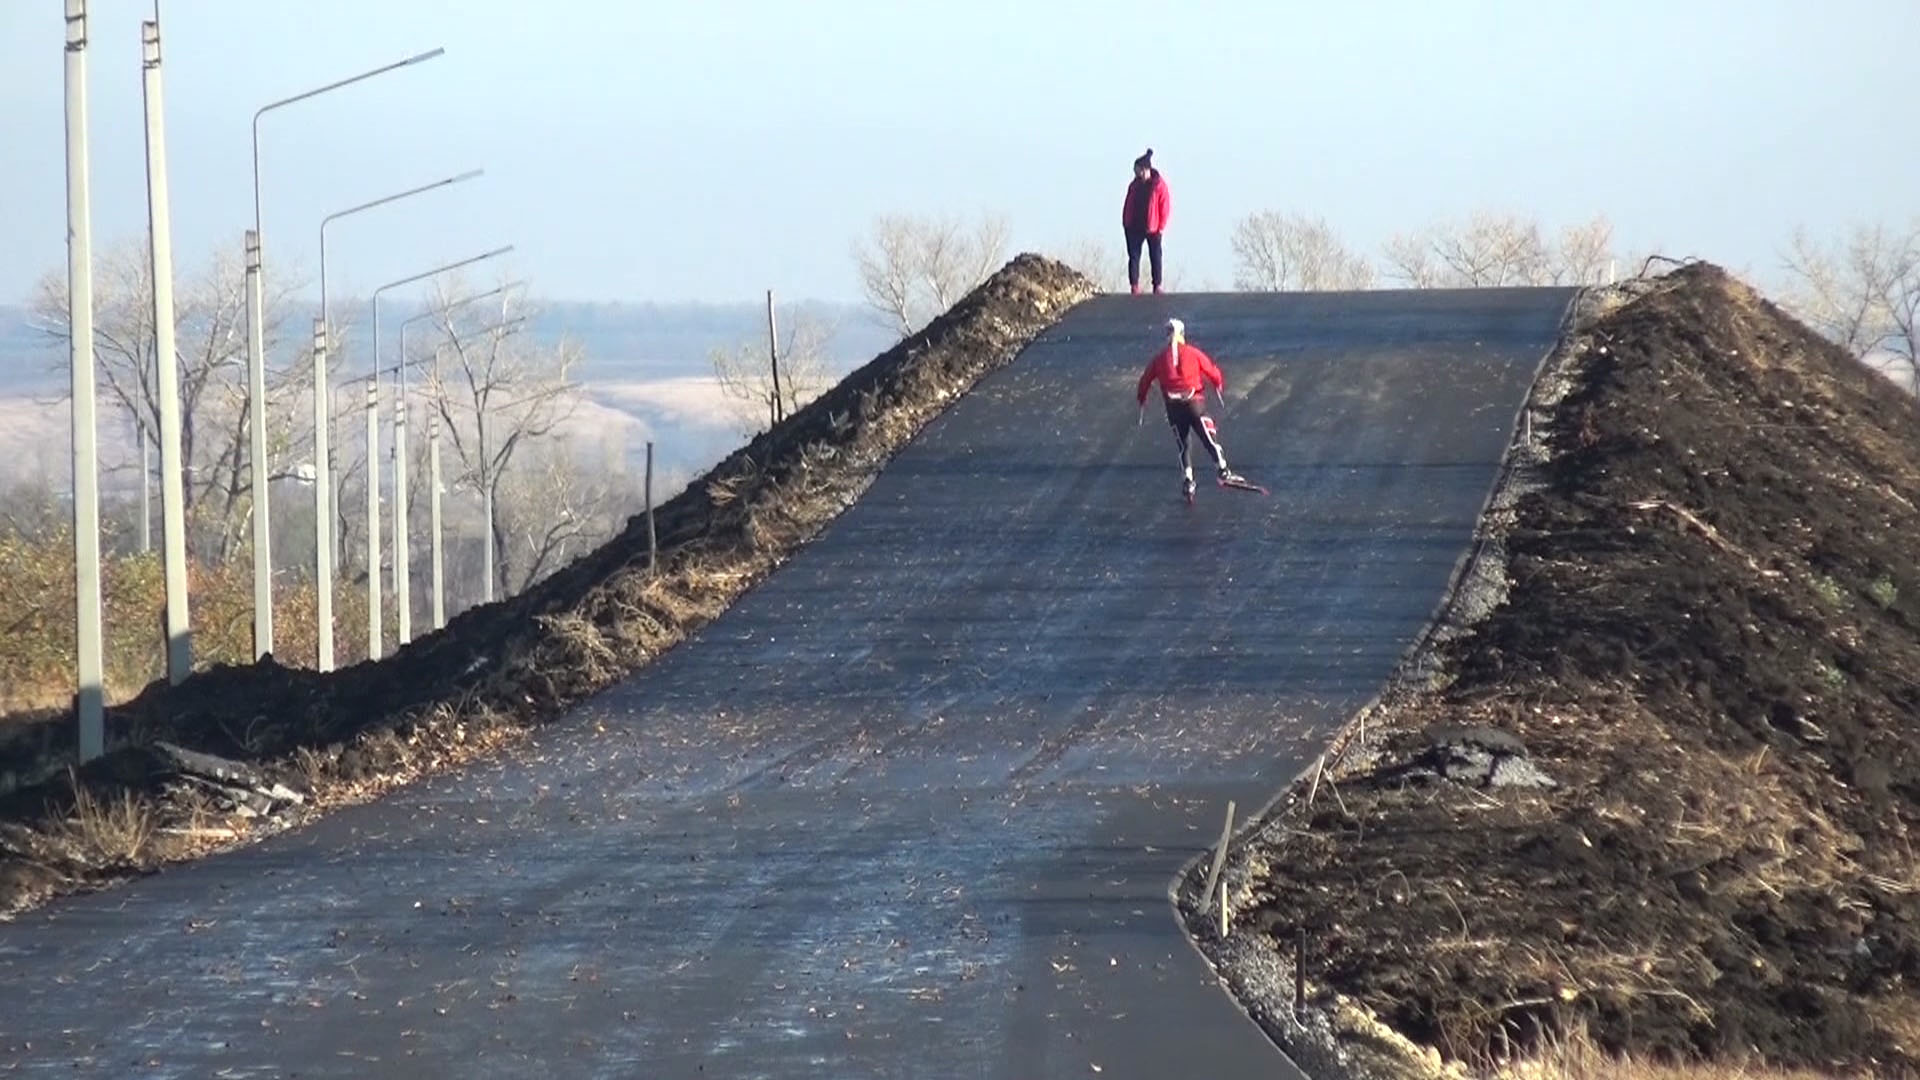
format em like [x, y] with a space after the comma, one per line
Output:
[26, 356]
[686, 418]
[646, 376]
[34, 442]
[622, 341]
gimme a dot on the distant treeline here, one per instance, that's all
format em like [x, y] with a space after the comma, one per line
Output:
[621, 340]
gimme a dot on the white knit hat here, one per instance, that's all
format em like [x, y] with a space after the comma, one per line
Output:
[1177, 328]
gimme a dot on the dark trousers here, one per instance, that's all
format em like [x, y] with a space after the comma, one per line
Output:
[1188, 416]
[1134, 239]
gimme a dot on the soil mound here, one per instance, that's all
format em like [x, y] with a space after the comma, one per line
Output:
[1708, 659]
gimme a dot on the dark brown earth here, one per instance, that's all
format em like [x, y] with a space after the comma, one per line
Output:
[498, 669]
[1711, 642]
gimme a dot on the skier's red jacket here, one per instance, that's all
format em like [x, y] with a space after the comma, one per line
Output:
[1148, 203]
[1193, 371]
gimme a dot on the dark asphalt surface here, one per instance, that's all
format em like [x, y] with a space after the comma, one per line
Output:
[911, 808]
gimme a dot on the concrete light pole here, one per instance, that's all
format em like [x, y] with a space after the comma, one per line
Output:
[323, 422]
[173, 529]
[401, 570]
[257, 368]
[90, 691]
[433, 445]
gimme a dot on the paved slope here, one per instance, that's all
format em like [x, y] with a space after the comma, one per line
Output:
[912, 807]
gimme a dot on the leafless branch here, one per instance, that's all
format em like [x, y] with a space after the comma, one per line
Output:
[1275, 252]
[913, 268]
[745, 374]
[1862, 292]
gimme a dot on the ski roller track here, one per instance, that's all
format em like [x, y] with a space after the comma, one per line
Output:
[912, 808]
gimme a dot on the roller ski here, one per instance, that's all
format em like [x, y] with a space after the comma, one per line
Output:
[1235, 480]
[1227, 479]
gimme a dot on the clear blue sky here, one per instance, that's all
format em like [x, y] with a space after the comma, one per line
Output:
[665, 151]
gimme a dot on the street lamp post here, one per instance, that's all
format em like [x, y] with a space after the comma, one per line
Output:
[486, 502]
[90, 689]
[173, 532]
[257, 367]
[433, 447]
[322, 422]
[257, 424]
[402, 576]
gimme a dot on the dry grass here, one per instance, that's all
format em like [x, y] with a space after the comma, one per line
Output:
[1576, 1057]
[37, 629]
[448, 735]
[313, 767]
[116, 829]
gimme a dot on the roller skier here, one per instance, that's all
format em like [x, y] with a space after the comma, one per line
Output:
[1183, 372]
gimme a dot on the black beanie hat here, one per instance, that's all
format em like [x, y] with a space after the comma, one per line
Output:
[1144, 161]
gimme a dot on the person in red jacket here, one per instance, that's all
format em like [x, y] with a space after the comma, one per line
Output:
[1144, 217]
[1183, 372]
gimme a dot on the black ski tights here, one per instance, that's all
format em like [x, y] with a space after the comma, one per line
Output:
[1188, 417]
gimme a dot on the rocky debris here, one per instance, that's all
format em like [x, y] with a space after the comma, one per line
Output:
[234, 785]
[1490, 740]
[1485, 757]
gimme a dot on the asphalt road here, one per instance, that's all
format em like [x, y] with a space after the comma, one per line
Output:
[913, 806]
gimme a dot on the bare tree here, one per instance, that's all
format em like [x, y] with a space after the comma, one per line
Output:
[560, 498]
[914, 268]
[1106, 266]
[1863, 292]
[349, 473]
[1585, 255]
[1099, 262]
[746, 375]
[32, 510]
[1491, 250]
[1410, 261]
[1275, 252]
[210, 312]
[497, 394]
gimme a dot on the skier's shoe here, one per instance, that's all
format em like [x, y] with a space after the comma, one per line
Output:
[1230, 478]
[1186, 486]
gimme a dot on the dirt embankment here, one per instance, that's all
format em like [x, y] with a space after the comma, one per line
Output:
[495, 670]
[1709, 643]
